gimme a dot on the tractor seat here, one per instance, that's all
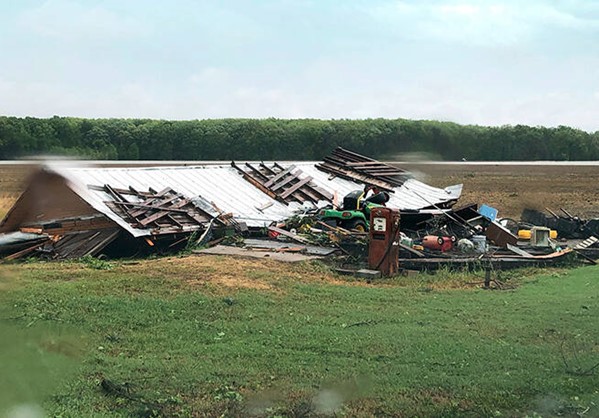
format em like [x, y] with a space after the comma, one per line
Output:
[351, 200]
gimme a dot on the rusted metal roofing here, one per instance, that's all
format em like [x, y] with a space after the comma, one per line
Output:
[222, 189]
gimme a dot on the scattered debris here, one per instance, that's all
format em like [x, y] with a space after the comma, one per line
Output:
[500, 235]
[589, 242]
[279, 246]
[163, 212]
[566, 225]
[290, 257]
[287, 212]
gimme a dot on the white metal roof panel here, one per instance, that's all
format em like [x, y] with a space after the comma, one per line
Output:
[413, 194]
[228, 190]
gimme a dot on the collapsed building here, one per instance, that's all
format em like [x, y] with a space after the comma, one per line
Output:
[69, 211]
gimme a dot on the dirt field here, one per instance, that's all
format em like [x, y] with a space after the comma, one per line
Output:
[12, 181]
[509, 188]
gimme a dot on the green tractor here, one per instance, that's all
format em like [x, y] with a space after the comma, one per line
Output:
[355, 212]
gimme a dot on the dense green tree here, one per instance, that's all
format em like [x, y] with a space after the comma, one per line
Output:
[283, 139]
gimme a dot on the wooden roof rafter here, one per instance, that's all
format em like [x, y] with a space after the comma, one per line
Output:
[164, 212]
[355, 167]
[285, 184]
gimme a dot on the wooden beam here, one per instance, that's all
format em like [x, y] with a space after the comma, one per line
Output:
[288, 234]
[150, 207]
[354, 176]
[283, 182]
[153, 203]
[257, 172]
[163, 212]
[269, 170]
[279, 176]
[296, 186]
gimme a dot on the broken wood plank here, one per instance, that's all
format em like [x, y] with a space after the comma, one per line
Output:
[153, 203]
[296, 186]
[279, 176]
[589, 242]
[288, 234]
[355, 176]
[103, 243]
[164, 212]
[586, 257]
[116, 195]
[264, 206]
[518, 250]
[141, 205]
[283, 182]
[24, 252]
[336, 228]
[270, 170]
[257, 172]
[411, 250]
[262, 188]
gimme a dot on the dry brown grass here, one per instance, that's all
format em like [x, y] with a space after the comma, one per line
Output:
[222, 272]
[6, 202]
[12, 183]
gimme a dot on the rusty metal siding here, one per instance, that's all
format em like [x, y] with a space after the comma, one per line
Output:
[46, 198]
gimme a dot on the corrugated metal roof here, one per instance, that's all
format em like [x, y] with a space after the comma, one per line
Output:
[413, 194]
[226, 188]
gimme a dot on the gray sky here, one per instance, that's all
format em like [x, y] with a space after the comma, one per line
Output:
[482, 62]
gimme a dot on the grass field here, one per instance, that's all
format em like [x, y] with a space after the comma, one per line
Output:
[208, 336]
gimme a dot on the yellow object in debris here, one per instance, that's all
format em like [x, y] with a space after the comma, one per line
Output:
[418, 247]
[524, 234]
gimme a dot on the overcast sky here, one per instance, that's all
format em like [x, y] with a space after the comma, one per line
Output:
[482, 62]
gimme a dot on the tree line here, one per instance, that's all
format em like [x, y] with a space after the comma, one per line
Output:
[284, 139]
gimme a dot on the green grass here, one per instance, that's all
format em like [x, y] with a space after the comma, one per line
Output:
[302, 347]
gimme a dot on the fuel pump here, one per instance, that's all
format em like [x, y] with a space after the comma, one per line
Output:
[383, 248]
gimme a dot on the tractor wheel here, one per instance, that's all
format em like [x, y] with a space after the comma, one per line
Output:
[356, 224]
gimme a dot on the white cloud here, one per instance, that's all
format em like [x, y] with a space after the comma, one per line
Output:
[220, 61]
[74, 21]
[461, 9]
[237, 95]
[481, 23]
[209, 75]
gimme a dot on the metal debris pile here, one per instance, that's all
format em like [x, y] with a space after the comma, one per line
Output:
[172, 219]
[304, 209]
[72, 212]
[467, 237]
